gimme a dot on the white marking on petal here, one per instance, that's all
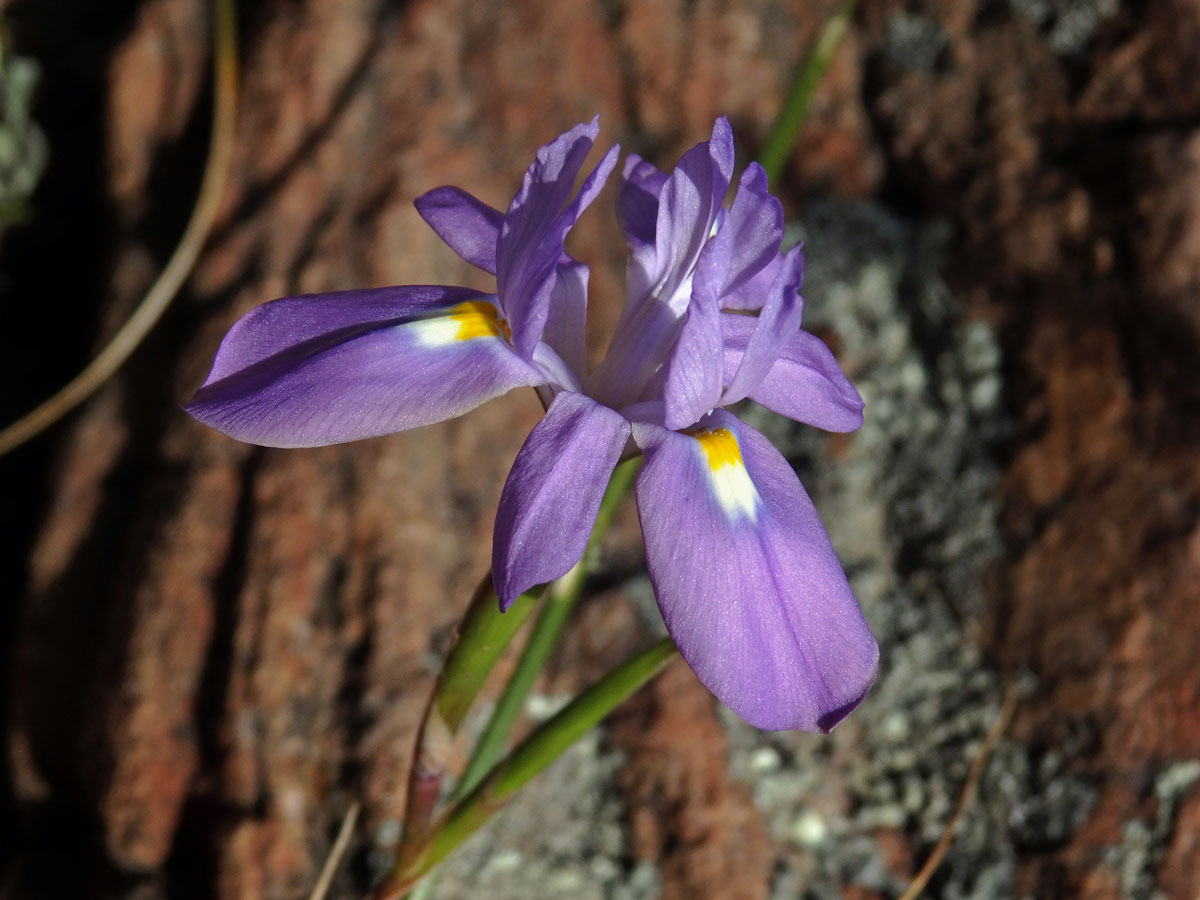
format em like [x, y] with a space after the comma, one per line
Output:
[731, 483]
[437, 332]
[464, 322]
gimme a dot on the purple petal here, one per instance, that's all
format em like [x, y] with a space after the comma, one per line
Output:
[754, 292]
[467, 224]
[659, 281]
[637, 199]
[695, 368]
[281, 324]
[641, 343]
[776, 324]
[753, 229]
[297, 373]
[805, 383]
[530, 246]
[688, 206]
[746, 579]
[553, 493]
[566, 318]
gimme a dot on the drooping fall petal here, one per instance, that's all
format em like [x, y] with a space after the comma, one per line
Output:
[323, 369]
[748, 583]
[553, 493]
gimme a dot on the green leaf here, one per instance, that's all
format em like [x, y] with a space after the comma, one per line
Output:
[484, 634]
[538, 750]
[795, 108]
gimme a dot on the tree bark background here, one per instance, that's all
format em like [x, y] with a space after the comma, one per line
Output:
[213, 649]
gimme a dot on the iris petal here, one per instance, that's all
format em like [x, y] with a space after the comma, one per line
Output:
[805, 383]
[566, 318]
[688, 207]
[553, 493]
[309, 371]
[660, 276]
[468, 225]
[694, 369]
[776, 324]
[637, 199]
[746, 579]
[530, 246]
[753, 229]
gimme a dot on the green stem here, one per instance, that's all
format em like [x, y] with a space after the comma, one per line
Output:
[484, 635]
[783, 133]
[560, 600]
[540, 749]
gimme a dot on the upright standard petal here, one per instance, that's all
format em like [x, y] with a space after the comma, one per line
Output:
[566, 319]
[553, 493]
[753, 229]
[694, 369]
[748, 583]
[637, 199]
[688, 207]
[352, 366]
[660, 276]
[530, 246]
[467, 224]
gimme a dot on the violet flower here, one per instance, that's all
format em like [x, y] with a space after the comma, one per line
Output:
[746, 579]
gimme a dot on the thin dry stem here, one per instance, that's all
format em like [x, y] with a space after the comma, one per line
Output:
[336, 852]
[178, 267]
[968, 792]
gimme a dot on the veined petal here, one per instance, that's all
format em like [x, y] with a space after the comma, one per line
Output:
[530, 246]
[754, 292]
[746, 579]
[553, 493]
[688, 207]
[695, 369]
[637, 199]
[805, 383]
[660, 277]
[280, 325]
[467, 224]
[357, 377]
[774, 326]
[753, 230]
[566, 318]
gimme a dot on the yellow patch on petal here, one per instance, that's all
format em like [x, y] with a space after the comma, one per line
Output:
[472, 319]
[731, 482]
[478, 318]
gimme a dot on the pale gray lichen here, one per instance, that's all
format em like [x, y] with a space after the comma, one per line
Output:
[910, 503]
[23, 148]
[1143, 844]
[1068, 25]
[914, 41]
[562, 837]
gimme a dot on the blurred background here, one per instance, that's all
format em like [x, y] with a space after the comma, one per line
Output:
[209, 651]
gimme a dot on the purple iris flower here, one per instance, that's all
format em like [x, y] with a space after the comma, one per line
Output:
[746, 578]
